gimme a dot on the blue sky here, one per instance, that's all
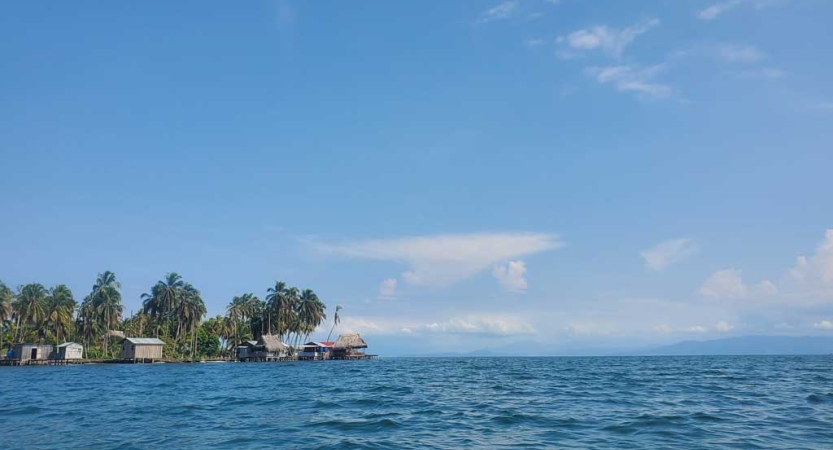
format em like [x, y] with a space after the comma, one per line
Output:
[458, 175]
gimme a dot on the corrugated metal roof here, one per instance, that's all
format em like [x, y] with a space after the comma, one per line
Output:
[67, 344]
[145, 341]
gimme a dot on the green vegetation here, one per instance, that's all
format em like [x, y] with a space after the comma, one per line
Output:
[172, 310]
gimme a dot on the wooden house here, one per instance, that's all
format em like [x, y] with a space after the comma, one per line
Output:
[269, 347]
[245, 350]
[349, 346]
[141, 349]
[316, 350]
[31, 353]
[69, 351]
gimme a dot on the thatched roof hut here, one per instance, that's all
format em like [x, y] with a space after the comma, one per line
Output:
[349, 342]
[272, 343]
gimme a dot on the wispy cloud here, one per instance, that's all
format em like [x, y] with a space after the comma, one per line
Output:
[511, 276]
[609, 40]
[387, 287]
[535, 42]
[718, 9]
[666, 253]
[765, 73]
[502, 11]
[493, 325]
[740, 53]
[446, 259]
[632, 79]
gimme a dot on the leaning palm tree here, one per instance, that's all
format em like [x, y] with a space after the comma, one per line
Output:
[336, 321]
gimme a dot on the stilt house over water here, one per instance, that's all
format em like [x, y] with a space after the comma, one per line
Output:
[269, 348]
[349, 346]
[70, 351]
[29, 353]
[141, 349]
[314, 351]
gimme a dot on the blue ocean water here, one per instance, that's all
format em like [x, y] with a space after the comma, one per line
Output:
[755, 402]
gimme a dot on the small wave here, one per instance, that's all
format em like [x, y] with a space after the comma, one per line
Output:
[820, 398]
[705, 417]
[358, 425]
[22, 411]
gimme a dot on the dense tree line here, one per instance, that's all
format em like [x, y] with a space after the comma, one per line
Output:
[172, 310]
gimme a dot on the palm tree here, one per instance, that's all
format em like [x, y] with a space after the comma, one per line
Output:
[310, 312]
[6, 298]
[336, 321]
[105, 301]
[29, 306]
[192, 310]
[60, 308]
[276, 302]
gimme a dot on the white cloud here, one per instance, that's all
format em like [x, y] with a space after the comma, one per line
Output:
[740, 53]
[728, 283]
[497, 325]
[718, 9]
[824, 325]
[715, 10]
[801, 269]
[664, 329]
[446, 259]
[532, 43]
[511, 276]
[696, 329]
[723, 327]
[725, 283]
[502, 11]
[764, 73]
[765, 288]
[609, 40]
[632, 79]
[364, 326]
[820, 265]
[387, 288]
[591, 329]
[666, 253]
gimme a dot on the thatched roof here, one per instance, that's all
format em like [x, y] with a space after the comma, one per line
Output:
[271, 343]
[349, 341]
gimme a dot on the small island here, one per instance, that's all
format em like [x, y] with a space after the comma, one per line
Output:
[48, 326]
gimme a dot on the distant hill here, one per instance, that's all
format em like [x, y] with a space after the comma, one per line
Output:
[749, 345]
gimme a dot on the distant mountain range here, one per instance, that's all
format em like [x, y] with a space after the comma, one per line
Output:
[749, 345]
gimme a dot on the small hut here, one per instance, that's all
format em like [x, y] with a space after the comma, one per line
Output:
[31, 353]
[349, 346]
[243, 351]
[70, 351]
[141, 349]
[269, 348]
[316, 350]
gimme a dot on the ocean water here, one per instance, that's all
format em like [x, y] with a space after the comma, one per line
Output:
[759, 402]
